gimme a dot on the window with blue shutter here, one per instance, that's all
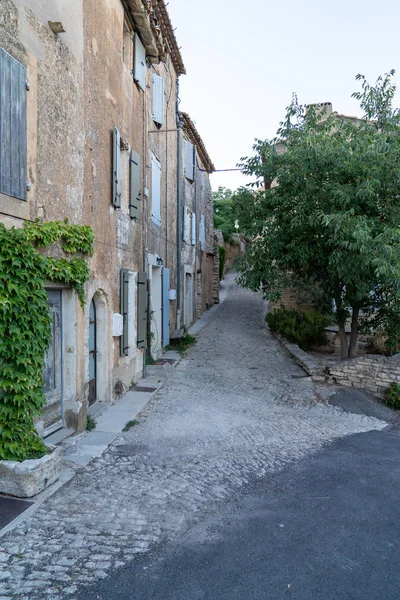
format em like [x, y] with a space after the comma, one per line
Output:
[158, 99]
[124, 302]
[13, 155]
[155, 190]
[139, 69]
[165, 306]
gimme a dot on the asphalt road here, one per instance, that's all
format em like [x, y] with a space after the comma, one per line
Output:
[325, 528]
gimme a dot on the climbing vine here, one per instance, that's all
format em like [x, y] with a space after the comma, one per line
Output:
[25, 323]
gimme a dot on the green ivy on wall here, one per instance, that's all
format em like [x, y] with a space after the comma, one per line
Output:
[25, 323]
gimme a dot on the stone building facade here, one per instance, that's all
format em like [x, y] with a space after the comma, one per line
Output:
[99, 143]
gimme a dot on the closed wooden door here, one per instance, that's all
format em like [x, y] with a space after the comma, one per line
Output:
[52, 375]
[92, 353]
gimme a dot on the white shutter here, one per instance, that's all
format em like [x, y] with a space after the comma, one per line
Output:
[193, 229]
[158, 99]
[139, 72]
[155, 190]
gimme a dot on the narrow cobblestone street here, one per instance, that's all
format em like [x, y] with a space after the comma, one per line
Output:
[235, 409]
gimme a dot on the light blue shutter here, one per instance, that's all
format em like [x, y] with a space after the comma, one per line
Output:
[139, 72]
[134, 185]
[116, 159]
[165, 306]
[202, 233]
[13, 154]
[193, 229]
[142, 310]
[158, 99]
[155, 190]
[189, 160]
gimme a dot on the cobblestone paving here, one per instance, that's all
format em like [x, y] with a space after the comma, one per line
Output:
[236, 408]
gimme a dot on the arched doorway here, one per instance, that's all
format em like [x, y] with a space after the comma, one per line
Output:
[92, 354]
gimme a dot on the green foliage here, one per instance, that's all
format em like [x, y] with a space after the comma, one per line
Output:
[392, 395]
[222, 257]
[131, 424]
[182, 344]
[74, 238]
[149, 359]
[224, 215]
[303, 328]
[90, 423]
[326, 212]
[25, 332]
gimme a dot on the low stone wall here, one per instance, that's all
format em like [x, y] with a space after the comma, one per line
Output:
[371, 372]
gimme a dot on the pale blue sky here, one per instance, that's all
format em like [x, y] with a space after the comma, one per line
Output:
[244, 60]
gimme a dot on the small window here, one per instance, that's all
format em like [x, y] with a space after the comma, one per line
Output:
[13, 153]
[189, 160]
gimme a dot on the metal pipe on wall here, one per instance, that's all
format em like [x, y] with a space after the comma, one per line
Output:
[179, 125]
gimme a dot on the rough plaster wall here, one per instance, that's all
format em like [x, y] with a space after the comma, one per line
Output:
[161, 240]
[112, 99]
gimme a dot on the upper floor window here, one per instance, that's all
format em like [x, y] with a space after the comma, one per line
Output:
[139, 66]
[13, 152]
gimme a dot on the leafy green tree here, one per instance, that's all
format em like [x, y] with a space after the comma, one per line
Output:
[224, 216]
[325, 209]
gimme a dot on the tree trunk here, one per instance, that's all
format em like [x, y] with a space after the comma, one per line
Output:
[353, 347]
[341, 316]
[344, 346]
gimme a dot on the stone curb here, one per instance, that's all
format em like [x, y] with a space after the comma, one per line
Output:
[308, 364]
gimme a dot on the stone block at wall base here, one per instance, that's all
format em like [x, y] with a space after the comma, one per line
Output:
[29, 477]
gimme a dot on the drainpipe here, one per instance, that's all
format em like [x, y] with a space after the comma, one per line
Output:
[179, 125]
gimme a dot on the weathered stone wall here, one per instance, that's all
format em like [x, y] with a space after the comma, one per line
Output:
[293, 298]
[370, 372]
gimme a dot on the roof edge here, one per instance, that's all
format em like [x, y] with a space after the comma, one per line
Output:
[195, 137]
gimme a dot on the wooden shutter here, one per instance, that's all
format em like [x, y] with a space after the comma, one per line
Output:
[189, 160]
[13, 153]
[116, 168]
[165, 306]
[142, 310]
[193, 229]
[134, 185]
[139, 71]
[155, 190]
[202, 234]
[158, 99]
[124, 301]
[185, 224]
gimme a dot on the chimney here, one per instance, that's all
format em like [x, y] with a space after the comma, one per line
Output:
[321, 108]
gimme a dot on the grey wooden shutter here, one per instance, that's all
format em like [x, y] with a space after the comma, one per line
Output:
[116, 169]
[202, 234]
[134, 185]
[165, 306]
[142, 310]
[189, 160]
[139, 71]
[193, 229]
[13, 155]
[124, 302]
[155, 190]
[185, 224]
[158, 99]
